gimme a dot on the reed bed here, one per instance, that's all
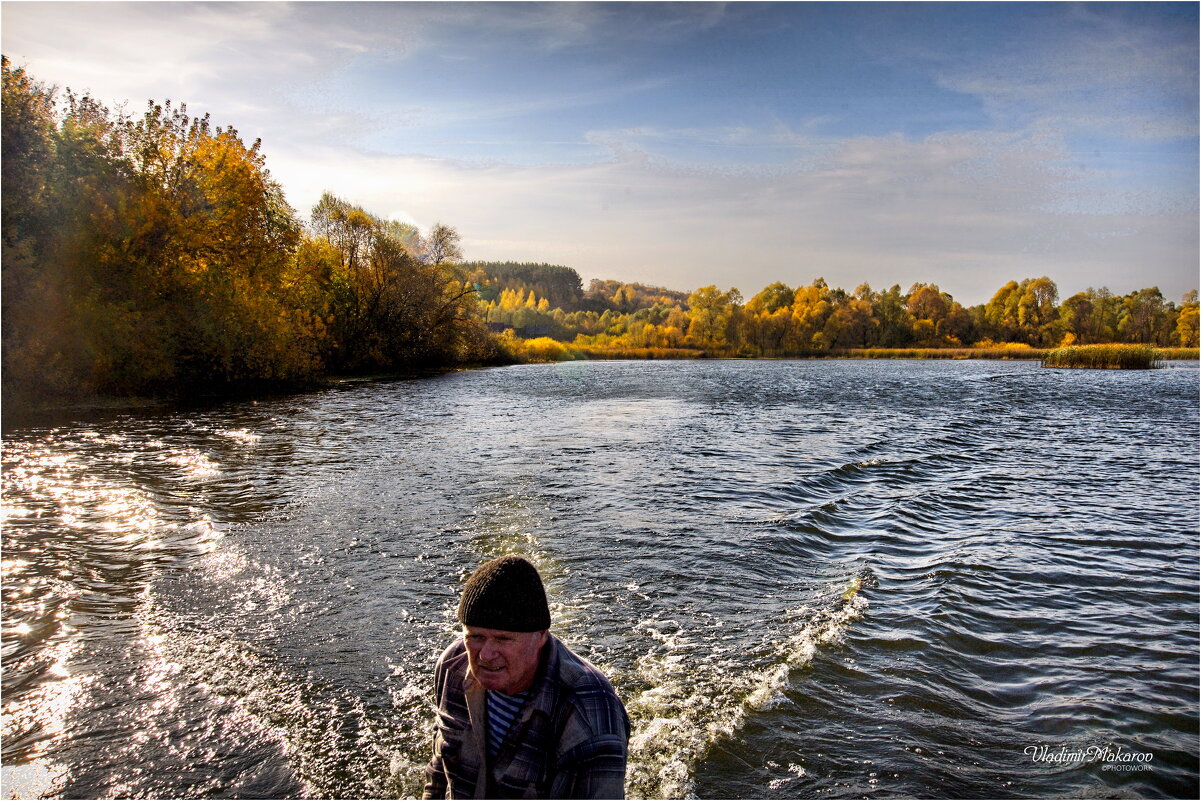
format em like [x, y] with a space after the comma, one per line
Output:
[601, 352]
[1105, 357]
[999, 352]
[1179, 354]
[1114, 356]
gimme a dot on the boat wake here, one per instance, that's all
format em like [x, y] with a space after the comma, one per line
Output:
[697, 690]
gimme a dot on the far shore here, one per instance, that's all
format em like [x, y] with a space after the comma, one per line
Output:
[569, 352]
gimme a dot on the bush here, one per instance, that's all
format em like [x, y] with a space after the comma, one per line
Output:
[1107, 357]
[542, 349]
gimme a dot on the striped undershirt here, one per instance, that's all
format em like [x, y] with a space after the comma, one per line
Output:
[503, 712]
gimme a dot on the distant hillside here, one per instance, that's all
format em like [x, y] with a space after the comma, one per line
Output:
[625, 298]
[562, 287]
[558, 284]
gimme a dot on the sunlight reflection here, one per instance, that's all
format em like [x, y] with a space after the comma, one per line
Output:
[46, 709]
[10, 567]
[37, 779]
[195, 464]
[242, 435]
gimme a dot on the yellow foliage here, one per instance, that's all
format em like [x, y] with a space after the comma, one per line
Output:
[540, 349]
[988, 344]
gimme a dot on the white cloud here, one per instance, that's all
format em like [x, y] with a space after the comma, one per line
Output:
[949, 209]
[1105, 76]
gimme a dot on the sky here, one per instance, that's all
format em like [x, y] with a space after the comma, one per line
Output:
[688, 144]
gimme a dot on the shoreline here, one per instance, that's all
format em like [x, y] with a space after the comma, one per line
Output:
[18, 411]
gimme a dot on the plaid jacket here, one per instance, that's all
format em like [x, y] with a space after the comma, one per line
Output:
[569, 742]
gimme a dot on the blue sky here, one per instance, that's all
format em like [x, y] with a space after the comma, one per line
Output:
[686, 144]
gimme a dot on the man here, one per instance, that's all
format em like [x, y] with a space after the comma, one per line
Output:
[520, 715]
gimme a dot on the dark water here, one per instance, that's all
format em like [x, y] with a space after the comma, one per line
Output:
[806, 579]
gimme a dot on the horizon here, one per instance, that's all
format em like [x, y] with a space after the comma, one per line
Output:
[687, 144]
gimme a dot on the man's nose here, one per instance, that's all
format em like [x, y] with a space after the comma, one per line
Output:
[488, 652]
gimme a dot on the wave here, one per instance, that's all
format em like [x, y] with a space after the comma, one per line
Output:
[700, 691]
[317, 740]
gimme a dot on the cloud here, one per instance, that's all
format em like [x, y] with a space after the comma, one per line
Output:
[718, 143]
[244, 63]
[947, 209]
[1091, 72]
[559, 27]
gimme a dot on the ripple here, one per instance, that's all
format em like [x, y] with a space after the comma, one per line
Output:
[251, 596]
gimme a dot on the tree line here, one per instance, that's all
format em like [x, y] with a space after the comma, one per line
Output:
[809, 320]
[155, 253]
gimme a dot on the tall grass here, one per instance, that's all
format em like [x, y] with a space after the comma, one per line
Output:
[1179, 354]
[1002, 351]
[545, 349]
[1105, 357]
[618, 352]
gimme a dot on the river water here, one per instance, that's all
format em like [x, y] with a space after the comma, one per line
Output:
[806, 579]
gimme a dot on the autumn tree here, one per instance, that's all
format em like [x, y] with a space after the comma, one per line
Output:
[30, 281]
[212, 234]
[1037, 312]
[391, 308]
[853, 324]
[771, 298]
[441, 245]
[1025, 312]
[895, 320]
[1146, 317]
[1187, 322]
[811, 308]
[561, 286]
[1075, 318]
[155, 253]
[710, 312]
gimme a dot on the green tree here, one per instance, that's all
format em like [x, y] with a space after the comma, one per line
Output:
[853, 325]
[1025, 312]
[1103, 323]
[1001, 312]
[1075, 318]
[958, 327]
[895, 321]
[771, 298]
[1144, 318]
[391, 308]
[29, 132]
[1037, 312]
[34, 316]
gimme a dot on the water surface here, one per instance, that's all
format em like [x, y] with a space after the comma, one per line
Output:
[805, 578]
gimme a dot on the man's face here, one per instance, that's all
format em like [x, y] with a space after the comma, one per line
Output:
[506, 661]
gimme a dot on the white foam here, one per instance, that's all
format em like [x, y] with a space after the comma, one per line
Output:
[696, 695]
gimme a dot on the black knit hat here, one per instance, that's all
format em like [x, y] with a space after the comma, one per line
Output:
[505, 594]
